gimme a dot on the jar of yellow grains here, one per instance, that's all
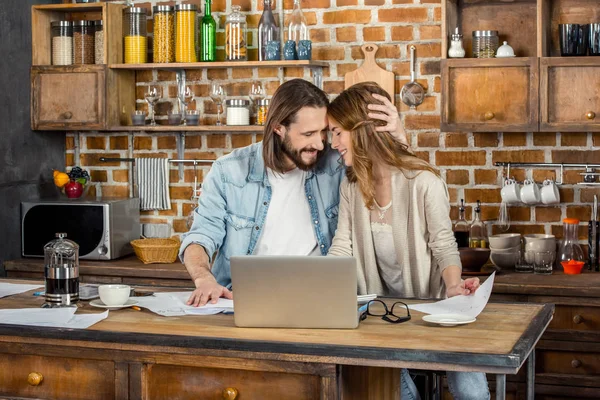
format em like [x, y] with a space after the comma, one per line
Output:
[185, 37]
[164, 34]
[134, 35]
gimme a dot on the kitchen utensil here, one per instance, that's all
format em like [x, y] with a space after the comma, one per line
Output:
[473, 258]
[412, 93]
[594, 39]
[505, 51]
[503, 217]
[369, 71]
[593, 227]
[505, 240]
[573, 39]
[61, 270]
[530, 192]
[572, 267]
[549, 192]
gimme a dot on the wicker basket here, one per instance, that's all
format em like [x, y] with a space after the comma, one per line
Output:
[153, 251]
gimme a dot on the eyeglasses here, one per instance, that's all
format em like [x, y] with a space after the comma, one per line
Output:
[378, 308]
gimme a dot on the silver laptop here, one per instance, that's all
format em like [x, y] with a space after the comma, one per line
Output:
[294, 291]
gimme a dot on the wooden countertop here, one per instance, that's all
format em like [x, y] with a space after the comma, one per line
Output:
[586, 284]
[498, 342]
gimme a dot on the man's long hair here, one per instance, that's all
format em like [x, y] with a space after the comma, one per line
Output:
[350, 110]
[289, 98]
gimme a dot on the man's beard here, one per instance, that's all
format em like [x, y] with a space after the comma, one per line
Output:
[296, 155]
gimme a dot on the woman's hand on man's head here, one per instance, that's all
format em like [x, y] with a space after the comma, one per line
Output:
[388, 113]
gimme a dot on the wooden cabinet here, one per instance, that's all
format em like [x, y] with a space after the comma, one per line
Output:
[490, 95]
[570, 94]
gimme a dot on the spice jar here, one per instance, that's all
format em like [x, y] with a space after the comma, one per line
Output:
[485, 44]
[164, 34]
[235, 35]
[134, 35]
[456, 45]
[99, 42]
[262, 109]
[62, 42]
[238, 111]
[83, 42]
[185, 46]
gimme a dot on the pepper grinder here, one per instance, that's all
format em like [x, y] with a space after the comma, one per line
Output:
[456, 49]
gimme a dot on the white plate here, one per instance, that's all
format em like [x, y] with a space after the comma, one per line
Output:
[99, 303]
[448, 319]
[365, 298]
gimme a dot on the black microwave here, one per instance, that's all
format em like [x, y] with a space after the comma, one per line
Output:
[102, 228]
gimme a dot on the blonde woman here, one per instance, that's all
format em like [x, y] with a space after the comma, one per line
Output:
[394, 218]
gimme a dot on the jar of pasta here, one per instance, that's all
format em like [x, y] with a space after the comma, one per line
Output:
[262, 108]
[235, 36]
[164, 34]
[83, 42]
[62, 42]
[185, 37]
[134, 35]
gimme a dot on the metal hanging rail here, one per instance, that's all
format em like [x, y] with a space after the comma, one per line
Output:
[589, 176]
[108, 159]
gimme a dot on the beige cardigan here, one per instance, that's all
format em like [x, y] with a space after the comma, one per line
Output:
[423, 236]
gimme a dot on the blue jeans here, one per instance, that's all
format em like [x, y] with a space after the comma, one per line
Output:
[462, 386]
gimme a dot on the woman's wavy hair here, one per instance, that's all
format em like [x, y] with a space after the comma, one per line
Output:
[288, 99]
[350, 110]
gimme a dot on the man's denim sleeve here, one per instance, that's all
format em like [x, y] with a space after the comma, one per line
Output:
[208, 229]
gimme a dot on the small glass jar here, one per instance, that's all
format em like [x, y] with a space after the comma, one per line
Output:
[185, 42]
[485, 44]
[262, 109]
[164, 34]
[99, 42]
[83, 42]
[62, 42]
[235, 36]
[238, 111]
[135, 48]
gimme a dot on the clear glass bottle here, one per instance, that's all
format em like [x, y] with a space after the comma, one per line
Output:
[163, 48]
[461, 227]
[456, 49]
[236, 48]
[83, 42]
[268, 31]
[134, 36]
[569, 247]
[185, 37]
[297, 28]
[477, 231]
[62, 42]
[208, 33]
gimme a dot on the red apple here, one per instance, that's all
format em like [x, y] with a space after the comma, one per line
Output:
[73, 189]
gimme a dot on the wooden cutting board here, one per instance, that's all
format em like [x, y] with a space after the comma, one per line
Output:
[371, 72]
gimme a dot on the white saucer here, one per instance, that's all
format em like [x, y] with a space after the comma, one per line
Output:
[448, 319]
[100, 304]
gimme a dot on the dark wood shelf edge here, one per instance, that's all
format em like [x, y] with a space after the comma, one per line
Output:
[223, 64]
[199, 128]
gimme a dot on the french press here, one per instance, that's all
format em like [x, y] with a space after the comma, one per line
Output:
[61, 270]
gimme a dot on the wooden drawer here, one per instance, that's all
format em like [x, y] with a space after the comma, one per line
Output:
[582, 318]
[172, 382]
[491, 95]
[567, 362]
[63, 378]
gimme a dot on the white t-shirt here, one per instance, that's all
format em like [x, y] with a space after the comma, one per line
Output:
[288, 228]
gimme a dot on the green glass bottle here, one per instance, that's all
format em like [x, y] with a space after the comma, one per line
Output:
[208, 33]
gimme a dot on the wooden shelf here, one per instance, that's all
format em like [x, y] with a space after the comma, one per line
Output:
[224, 64]
[75, 7]
[181, 128]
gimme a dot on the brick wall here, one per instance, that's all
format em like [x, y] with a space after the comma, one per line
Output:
[338, 28]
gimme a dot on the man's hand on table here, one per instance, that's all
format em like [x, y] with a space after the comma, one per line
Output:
[208, 291]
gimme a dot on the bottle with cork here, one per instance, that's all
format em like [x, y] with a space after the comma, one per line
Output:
[461, 227]
[477, 231]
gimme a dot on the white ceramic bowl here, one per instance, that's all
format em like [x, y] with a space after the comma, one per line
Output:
[515, 249]
[504, 260]
[505, 241]
[114, 295]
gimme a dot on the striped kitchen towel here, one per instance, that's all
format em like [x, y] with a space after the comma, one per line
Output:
[152, 176]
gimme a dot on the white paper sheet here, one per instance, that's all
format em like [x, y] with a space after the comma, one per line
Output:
[9, 289]
[471, 305]
[51, 317]
[170, 304]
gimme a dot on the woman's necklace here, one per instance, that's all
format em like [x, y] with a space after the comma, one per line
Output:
[382, 210]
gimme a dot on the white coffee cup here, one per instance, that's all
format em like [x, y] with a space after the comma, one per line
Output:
[511, 192]
[549, 192]
[114, 295]
[530, 192]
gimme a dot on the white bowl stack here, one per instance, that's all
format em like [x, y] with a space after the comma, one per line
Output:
[505, 249]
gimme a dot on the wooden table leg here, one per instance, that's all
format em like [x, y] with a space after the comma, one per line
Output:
[531, 375]
[500, 387]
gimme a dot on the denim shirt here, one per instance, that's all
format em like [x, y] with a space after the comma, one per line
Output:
[235, 198]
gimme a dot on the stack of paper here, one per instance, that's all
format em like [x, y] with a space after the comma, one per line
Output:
[51, 317]
[9, 289]
[174, 303]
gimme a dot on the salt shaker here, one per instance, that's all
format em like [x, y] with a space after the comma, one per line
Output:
[456, 49]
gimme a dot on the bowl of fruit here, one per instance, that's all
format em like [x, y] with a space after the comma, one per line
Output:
[74, 183]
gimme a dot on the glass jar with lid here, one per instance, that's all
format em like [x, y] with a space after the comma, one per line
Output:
[164, 34]
[61, 272]
[99, 42]
[185, 36]
[236, 48]
[238, 111]
[485, 44]
[135, 46]
[83, 42]
[262, 109]
[62, 42]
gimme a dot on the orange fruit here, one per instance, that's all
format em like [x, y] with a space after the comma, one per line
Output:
[56, 172]
[61, 179]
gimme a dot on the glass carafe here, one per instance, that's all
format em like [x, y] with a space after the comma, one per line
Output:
[297, 28]
[477, 231]
[461, 227]
[569, 247]
[268, 31]
[61, 270]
